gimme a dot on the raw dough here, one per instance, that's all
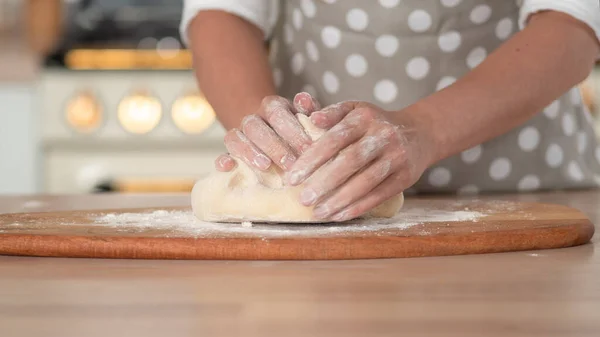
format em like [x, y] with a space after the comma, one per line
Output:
[245, 194]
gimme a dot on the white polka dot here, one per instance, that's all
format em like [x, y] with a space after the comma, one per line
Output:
[468, 190]
[331, 36]
[297, 19]
[417, 68]
[357, 19]
[356, 65]
[440, 176]
[419, 21]
[475, 57]
[500, 168]
[529, 182]
[598, 154]
[471, 155]
[389, 3]
[554, 155]
[575, 96]
[288, 34]
[581, 141]
[444, 82]
[450, 3]
[568, 124]
[386, 45]
[385, 91]
[277, 77]
[574, 171]
[480, 14]
[331, 82]
[504, 28]
[449, 41]
[297, 63]
[310, 89]
[311, 51]
[529, 138]
[551, 111]
[309, 8]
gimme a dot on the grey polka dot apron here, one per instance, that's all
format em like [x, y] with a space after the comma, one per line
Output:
[395, 52]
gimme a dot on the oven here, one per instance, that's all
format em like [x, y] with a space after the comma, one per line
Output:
[119, 104]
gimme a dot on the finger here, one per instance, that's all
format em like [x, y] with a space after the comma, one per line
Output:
[356, 188]
[389, 188]
[305, 103]
[240, 146]
[224, 163]
[333, 174]
[346, 132]
[332, 114]
[279, 114]
[268, 141]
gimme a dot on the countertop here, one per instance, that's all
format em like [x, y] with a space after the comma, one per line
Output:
[536, 293]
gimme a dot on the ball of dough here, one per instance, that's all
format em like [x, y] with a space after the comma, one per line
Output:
[245, 194]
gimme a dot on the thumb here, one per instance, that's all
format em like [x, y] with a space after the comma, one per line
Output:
[305, 103]
[332, 114]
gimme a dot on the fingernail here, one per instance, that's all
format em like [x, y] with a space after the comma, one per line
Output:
[287, 161]
[341, 216]
[321, 211]
[262, 161]
[308, 197]
[295, 177]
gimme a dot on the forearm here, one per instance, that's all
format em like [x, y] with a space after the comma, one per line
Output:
[231, 65]
[554, 53]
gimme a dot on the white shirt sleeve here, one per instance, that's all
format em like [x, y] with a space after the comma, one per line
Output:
[262, 13]
[587, 11]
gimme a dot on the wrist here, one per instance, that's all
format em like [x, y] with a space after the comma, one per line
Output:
[417, 124]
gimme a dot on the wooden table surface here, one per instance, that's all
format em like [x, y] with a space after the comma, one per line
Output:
[541, 293]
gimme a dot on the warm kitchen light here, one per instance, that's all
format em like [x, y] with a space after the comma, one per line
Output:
[84, 112]
[192, 114]
[139, 113]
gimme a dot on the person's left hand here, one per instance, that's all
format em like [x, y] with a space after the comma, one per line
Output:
[373, 159]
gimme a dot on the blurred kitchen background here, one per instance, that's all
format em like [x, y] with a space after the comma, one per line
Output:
[99, 96]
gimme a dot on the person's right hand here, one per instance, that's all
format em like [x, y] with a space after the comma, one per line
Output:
[271, 136]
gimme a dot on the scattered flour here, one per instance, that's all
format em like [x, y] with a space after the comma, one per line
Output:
[33, 204]
[184, 223]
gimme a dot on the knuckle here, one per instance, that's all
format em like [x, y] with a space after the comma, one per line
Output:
[231, 135]
[251, 122]
[272, 104]
[389, 133]
[267, 100]
[368, 114]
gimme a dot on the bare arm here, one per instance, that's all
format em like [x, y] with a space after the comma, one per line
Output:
[231, 64]
[232, 68]
[552, 54]
[383, 153]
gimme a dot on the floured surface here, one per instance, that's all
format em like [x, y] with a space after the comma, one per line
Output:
[417, 218]
[186, 222]
[421, 228]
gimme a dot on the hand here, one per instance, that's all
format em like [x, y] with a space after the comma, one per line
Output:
[272, 135]
[376, 160]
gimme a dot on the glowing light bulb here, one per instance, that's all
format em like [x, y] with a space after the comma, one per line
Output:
[84, 112]
[139, 113]
[192, 114]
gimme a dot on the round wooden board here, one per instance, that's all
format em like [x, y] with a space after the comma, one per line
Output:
[423, 228]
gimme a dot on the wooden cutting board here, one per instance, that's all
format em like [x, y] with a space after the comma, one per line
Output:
[423, 228]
